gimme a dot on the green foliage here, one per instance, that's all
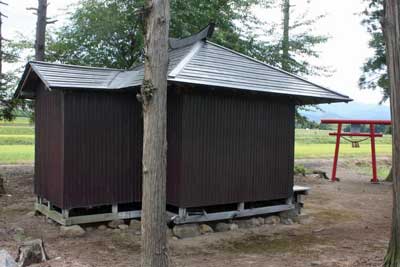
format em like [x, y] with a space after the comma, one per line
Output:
[374, 69]
[300, 170]
[12, 51]
[110, 32]
[302, 43]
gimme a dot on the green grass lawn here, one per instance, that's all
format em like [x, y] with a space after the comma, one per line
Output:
[16, 154]
[17, 144]
[327, 150]
[17, 141]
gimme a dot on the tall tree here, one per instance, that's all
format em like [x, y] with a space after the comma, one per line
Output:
[110, 32]
[292, 42]
[153, 95]
[41, 30]
[285, 38]
[41, 24]
[392, 36]
[375, 74]
[6, 105]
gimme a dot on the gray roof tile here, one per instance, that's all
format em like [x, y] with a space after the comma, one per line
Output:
[199, 63]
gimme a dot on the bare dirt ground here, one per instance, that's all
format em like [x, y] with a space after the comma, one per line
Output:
[348, 225]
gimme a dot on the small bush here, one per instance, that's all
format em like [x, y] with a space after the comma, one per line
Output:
[300, 170]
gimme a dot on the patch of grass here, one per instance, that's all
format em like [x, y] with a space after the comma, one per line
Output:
[327, 150]
[15, 154]
[335, 216]
[315, 136]
[17, 140]
[17, 121]
[17, 130]
[262, 244]
[365, 167]
[300, 170]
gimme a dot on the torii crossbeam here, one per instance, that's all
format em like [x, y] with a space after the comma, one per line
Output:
[371, 135]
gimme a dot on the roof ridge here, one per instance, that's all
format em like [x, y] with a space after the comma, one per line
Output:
[181, 65]
[203, 34]
[278, 69]
[73, 66]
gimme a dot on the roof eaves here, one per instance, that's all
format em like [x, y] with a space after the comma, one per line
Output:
[72, 66]
[295, 94]
[34, 68]
[280, 70]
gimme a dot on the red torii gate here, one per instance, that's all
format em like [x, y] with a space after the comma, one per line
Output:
[371, 135]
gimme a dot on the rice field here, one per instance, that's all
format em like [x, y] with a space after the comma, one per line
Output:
[17, 144]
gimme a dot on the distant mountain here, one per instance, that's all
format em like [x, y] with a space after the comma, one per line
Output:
[352, 110]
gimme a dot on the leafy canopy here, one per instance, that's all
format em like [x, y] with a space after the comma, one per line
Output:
[374, 69]
[110, 32]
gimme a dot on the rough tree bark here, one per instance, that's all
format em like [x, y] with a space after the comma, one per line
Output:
[41, 30]
[392, 36]
[1, 43]
[285, 39]
[154, 99]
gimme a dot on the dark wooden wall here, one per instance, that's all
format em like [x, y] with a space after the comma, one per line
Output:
[103, 148]
[49, 145]
[235, 148]
[222, 148]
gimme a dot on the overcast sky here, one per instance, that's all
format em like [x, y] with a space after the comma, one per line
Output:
[345, 51]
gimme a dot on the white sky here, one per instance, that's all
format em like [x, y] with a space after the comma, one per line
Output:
[345, 51]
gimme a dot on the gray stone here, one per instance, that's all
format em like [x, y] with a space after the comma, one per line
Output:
[72, 231]
[114, 224]
[89, 229]
[244, 224]
[116, 231]
[289, 214]
[272, 219]
[234, 227]
[135, 225]
[287, 221]
[6, 260]
[205, 229]
[123, 226]
[186, 230]
[102, 227]
[256, 222]
[316, 263]
[31, 252]
[222, 227]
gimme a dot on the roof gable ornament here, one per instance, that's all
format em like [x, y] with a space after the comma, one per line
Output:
[205, 33]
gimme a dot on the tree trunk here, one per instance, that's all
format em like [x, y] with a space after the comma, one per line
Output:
[41, 30]
[154, 100]
[392, 35]
[389, 177]
[285, 39]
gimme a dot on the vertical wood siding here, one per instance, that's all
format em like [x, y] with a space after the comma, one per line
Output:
[222, 148]
[48, 178]
[103, 148]
[236, 148]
